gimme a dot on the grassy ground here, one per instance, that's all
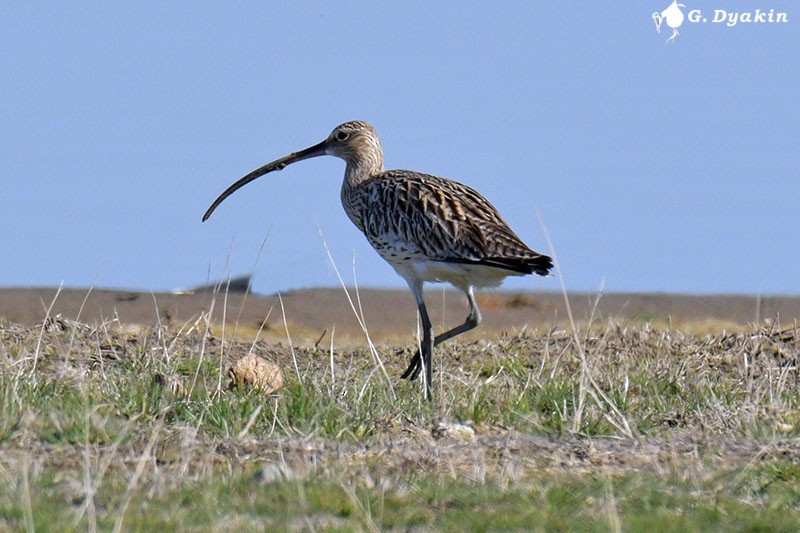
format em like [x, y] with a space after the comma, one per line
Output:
[618, 426]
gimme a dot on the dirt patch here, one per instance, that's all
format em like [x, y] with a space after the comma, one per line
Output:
[310, 314]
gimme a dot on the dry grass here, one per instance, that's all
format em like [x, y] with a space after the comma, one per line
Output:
[615, 425]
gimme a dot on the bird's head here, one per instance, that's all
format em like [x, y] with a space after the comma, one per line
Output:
[657, 19]
[356, 142]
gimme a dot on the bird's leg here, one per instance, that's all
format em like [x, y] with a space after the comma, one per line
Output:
[472, 321]
[427, 343]
[427, 348]
[674, 34]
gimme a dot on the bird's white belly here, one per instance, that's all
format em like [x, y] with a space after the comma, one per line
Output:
[413, 264]
[461, 275]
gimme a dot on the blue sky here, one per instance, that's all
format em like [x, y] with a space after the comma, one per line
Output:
[654, 166]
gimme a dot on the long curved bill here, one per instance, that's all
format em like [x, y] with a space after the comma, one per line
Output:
[278, 164]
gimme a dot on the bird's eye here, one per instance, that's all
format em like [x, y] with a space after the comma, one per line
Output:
[342, 135]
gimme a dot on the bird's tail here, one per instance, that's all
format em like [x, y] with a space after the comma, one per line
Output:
[540, 264]
[534, 264]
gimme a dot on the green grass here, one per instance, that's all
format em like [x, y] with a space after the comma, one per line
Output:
[654, 430]
[259, 497]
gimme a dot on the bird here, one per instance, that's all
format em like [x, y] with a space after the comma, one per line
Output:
[428, 228]
[674, 17]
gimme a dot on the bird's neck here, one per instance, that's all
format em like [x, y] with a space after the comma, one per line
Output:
[354, 193]
[362, 169]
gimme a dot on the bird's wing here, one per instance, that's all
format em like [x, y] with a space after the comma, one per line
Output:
[446, 221]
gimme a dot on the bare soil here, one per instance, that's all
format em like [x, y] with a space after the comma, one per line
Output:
[389, 314]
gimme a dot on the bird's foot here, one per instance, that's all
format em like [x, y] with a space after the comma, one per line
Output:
[672, 37]
[413, 369]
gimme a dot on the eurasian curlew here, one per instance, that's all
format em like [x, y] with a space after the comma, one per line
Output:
[430, 229]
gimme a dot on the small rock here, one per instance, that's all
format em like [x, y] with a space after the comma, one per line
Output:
[453, 430]
[258, 373]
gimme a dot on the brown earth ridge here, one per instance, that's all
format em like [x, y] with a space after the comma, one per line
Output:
[387, 313]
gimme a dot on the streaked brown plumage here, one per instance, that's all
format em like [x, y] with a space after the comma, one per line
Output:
[430, 229]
